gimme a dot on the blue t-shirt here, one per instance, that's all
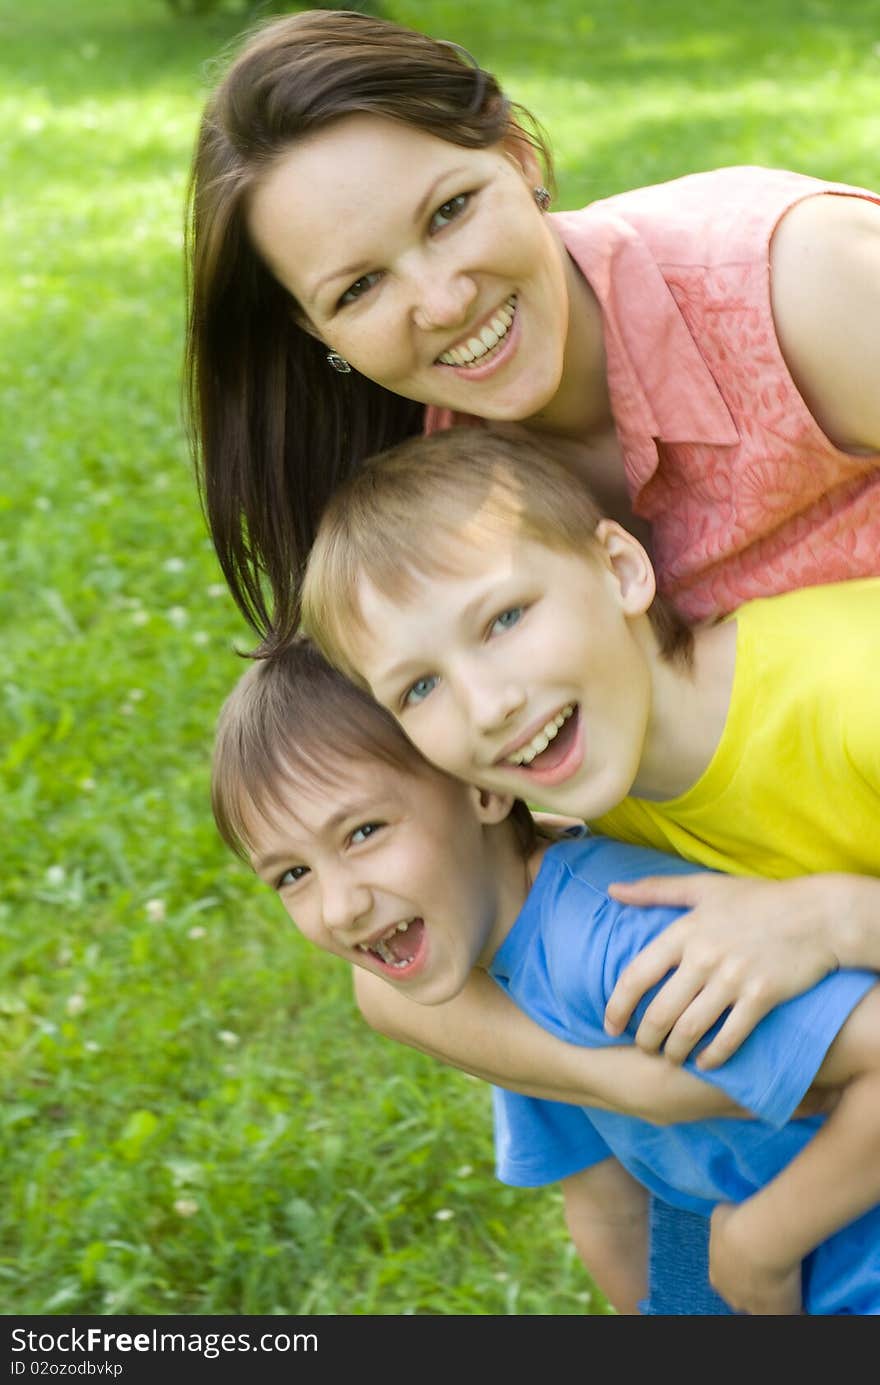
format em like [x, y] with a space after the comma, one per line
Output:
[560, 963]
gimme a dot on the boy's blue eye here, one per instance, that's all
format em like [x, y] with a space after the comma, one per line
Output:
[291, 876]
[449, 211]
[360, 287]
[420, 690]
[506, 619]
[366, 829]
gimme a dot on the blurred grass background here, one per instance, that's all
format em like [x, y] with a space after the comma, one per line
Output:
[194, 1118]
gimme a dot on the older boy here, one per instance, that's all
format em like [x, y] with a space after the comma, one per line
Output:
[401, 870]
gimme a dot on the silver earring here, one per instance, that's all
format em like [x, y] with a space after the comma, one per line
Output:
[339, 363]
[542, 197]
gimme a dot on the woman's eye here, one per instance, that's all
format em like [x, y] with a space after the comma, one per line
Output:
[506, 619]
[291, 876]
[449, 211]
[360, 287]
[419, 690]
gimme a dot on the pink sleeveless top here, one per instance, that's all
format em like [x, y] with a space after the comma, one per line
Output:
[745, 494]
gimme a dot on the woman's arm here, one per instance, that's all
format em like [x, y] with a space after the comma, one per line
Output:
[482, 1032]
[745, 946]
[825, 294]
[756, 1249]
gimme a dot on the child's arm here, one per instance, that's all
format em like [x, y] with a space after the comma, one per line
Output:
[746, 945]
[482, 1032]
[606, 1212]
[756, 1248]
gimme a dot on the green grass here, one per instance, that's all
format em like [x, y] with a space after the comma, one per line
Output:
[195, 1120]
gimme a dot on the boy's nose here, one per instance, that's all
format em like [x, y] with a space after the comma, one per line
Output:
[344, 902]
[492, 705]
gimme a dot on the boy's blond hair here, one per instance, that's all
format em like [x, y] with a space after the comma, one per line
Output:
[293, 720]
[411, 513]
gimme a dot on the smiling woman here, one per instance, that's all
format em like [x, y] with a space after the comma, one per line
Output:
[411, 286]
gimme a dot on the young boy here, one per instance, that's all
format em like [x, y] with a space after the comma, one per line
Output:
[402, 870]
[468, 580]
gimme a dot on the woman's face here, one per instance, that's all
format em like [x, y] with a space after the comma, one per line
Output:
[428, 266]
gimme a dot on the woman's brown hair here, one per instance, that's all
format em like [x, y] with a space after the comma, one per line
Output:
[274, 431]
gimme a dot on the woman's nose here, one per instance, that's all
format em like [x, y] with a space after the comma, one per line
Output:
[442, 298]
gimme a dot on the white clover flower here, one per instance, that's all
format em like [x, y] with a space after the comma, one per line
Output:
[186, 1206]
[140, 616]
[136, 695]
[155, 910]
[216, 589]
[465, 1171]
[200, 637]
[174, 565]
[197, 932]
[227, 1037]
[178, 615]
[55, 876]
[76, 1003]
[444, 1214]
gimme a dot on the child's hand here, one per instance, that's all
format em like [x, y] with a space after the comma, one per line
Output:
[745, 946]
[742, 1277]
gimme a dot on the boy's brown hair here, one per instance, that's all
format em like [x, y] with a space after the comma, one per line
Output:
[409, 511]
[292, 719]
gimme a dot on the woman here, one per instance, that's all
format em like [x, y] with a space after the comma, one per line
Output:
[371, 256]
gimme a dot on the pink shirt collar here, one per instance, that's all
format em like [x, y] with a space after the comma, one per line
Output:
[660, 386]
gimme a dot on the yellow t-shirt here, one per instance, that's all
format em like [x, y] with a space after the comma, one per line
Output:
[794, 785]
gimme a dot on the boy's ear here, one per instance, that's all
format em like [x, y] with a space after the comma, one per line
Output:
[630, 566]
[491, 807]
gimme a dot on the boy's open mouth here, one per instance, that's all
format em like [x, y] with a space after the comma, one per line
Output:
[400, 947]
[549, 746]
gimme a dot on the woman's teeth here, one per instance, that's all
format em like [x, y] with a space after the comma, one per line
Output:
[526, 753]
[469, 352]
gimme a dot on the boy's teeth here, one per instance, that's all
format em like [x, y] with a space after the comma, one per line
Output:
[487, 338]
[526, 753]
[382, 950]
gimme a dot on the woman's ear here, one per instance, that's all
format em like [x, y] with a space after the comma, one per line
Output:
[491, 807]
[521, 153]
[629, 565]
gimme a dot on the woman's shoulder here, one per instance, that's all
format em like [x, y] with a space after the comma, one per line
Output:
[713, 215]
[737, 183]
[825, 289]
